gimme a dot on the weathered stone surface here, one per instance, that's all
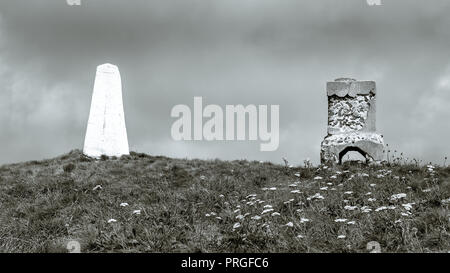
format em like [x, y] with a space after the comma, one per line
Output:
[349, 87]
[334, 147]
[351, 121]
[106, 133]
[346, 114]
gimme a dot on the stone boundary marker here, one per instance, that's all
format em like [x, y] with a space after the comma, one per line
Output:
[351, 121]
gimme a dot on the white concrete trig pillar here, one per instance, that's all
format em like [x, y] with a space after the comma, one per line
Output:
[106, 132]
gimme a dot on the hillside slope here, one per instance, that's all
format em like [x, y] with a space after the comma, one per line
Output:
[143, 203]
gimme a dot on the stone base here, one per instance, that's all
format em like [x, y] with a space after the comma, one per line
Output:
[334, 147]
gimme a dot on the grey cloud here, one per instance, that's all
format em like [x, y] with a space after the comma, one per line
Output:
[229, 52]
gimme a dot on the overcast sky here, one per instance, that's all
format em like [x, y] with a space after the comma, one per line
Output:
[229, 52]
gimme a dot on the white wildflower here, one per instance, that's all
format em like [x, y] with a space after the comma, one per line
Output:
[289, 201]
[408, 206]
[398, 196]
[315, 196]
[350, 207]
[381, 208]
[266, 211]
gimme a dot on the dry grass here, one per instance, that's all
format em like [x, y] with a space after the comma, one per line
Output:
[193, 205]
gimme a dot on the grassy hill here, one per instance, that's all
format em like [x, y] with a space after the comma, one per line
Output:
[142, 203]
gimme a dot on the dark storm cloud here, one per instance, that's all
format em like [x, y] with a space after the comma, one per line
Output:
[229, 52]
